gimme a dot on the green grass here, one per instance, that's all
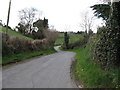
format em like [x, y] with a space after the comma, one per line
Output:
[61, 34]
[25, 55]
[90, 74]
[13, 33]
[59, 41]
[22, 56]
[73, 38]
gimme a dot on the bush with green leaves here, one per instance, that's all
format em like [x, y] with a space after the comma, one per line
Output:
[66, 40]
[107, 48]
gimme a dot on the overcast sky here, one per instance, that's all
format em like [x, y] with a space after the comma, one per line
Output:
[60, 13]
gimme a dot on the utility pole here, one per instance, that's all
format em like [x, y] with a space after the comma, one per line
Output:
[8, 18]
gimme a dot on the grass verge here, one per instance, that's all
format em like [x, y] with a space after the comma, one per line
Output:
[89, 73]
[19, 57]
[14, 33]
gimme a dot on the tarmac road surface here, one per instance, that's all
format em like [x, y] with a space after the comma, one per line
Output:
[51, 71]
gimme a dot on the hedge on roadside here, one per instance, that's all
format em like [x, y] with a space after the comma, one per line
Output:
[16, 45]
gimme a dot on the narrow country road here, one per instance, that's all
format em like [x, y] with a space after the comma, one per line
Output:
[51, 71]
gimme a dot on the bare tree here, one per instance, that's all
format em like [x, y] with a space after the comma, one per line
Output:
[51, 35]
[27, 17]
[87, 22]
[67, 27]
[51, 27]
